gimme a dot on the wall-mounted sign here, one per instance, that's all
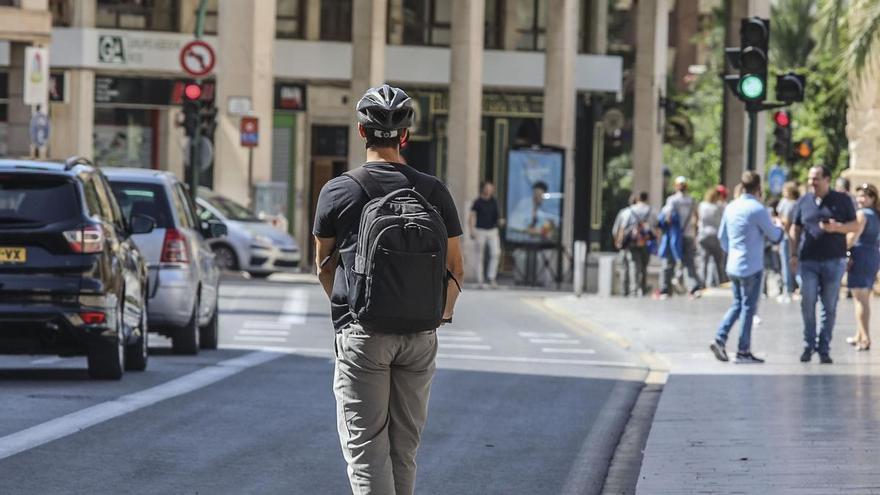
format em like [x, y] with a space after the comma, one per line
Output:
[250, 132]
[36, 75]
[290, 96]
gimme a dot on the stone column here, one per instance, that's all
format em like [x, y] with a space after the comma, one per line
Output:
[560, 97]
[465, 103]
[687, 18]
[863, 128]
[18, 140]
[369, 19]
[598, 27]
[313, 20]
[650, 73]
[244, 68]
[395, 22]
[73, 122]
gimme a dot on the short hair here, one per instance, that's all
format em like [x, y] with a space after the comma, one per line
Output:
[540, 185]
[486, 183]
[712, 195]
[381, 142]
[790, 189]
[751, 182]
[826, 172]
[844, 182]
[643, 196]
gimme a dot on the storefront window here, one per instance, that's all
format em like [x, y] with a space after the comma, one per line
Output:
[494, 24]
[427, 22]
[124, 137]
[336, 20]
[289, 19]
[151, 15]
[531, 24]
[62, 12]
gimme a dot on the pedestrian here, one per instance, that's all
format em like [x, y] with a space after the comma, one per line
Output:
[710, 211]
[386, 340]
[625, 261]
[679, 216]
[790, 195]
[864, 244]
[635, 236]
[484, 220]
[822, 218]
[842, 185]
[745, 227]
[772, 265]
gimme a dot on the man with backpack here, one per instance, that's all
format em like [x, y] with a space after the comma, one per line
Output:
[636, 236]
[388, 247]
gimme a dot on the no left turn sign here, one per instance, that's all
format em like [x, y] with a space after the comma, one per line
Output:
[197, 58]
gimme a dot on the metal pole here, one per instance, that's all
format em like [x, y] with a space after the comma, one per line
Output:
[251, 174]
[753, 139]
[196, 141]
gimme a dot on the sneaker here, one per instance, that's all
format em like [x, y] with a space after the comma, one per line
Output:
[696, 294]
[806, 356]
[825, 358]
[747, 358]
[756, 321]
[718, 349]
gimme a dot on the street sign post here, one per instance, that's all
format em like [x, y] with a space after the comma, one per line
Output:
[39, 129]
[776, 178]
[250, 138]
[197, 58]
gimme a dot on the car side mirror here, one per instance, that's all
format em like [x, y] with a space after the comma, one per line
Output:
[214, 228]
[142, 224]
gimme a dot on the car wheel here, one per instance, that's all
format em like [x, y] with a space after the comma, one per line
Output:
[209, 335]
[106, 360]
[137, 354]
[186, 339]
[226, 258]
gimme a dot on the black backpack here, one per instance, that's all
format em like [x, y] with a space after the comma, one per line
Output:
[398, 281]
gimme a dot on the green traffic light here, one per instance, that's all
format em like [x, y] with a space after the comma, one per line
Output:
[751, 87]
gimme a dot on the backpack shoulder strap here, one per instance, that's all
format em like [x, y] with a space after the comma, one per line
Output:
[361, 176]
[423, 184]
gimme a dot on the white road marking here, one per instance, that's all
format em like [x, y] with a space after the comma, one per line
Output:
[69, 424]
[250, 338]
[548, 335]
[47, 361]
[471, 347]
[458, 333]
[453, 338]
[320, 351]
[511, 359]
[266, 324]
[265, 333]
[561, 350]
[555, 341]
[296, 305]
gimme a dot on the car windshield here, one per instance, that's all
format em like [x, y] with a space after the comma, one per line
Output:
[32, 200]
[143, 199]
[232, 210]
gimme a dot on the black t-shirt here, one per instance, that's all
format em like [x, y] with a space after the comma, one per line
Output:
[816, 244]
[338, 215]
[487, 213]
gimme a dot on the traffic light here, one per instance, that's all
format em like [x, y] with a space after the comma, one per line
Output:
[803, 150]
[754, 42]
[191, 106]
[790, 87]
[208, 119]
[782, 134]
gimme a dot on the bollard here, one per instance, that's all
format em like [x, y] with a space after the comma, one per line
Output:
[606, 274]
[580, 265]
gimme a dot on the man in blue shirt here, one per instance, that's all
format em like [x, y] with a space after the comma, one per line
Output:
[745, 226]
[821, 220]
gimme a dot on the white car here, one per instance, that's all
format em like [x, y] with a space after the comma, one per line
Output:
[250, 244]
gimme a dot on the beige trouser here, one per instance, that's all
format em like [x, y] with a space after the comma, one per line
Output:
[490, 237]
[382, 383]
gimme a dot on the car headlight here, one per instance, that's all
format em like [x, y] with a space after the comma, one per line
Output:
[263, 241]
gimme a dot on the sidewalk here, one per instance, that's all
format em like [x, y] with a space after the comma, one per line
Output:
[781, 427]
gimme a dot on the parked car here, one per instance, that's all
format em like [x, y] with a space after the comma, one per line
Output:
[251, 244]
[72, 281]
[184, 277]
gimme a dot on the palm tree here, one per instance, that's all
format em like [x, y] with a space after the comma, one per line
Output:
[851, 27]
[791, 42]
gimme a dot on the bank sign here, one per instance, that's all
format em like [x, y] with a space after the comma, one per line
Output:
[140, 50]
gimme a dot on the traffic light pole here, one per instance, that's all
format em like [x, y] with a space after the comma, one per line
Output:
[753, 140]
[195, 154]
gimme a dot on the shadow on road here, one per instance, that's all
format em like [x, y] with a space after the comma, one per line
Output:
[43, 374]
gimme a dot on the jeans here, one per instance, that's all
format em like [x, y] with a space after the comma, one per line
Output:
[746, 293]
[490, 238]
[640, 258]
[820, 280]
[710, 250]
[689, 251]
[785, 260]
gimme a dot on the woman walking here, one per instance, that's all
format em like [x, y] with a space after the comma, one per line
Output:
[710, 211]
[864, 247]
[790, 196]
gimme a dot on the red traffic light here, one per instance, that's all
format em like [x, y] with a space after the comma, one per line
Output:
[782, 118]
[192, 91]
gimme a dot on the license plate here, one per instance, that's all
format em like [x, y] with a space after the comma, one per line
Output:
[13, 255]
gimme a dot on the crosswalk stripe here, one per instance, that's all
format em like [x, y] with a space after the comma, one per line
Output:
[265, 324]
[296, 305]
[255, 338]
[453, 338]
[459, 333]
[470, 347]
[517, 359]
[555, 341]
[267, 333]
[561, 350]
[557, 335]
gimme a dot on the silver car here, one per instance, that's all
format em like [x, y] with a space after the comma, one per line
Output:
[184, 277]
[251, 244]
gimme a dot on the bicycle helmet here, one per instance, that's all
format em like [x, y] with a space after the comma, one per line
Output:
[384, 110]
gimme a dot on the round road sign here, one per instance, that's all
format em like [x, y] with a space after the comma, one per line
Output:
[197, 58]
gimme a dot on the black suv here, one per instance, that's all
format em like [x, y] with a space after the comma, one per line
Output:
[72, 281]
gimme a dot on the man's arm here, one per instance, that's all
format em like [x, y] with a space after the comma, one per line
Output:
[326, 259]
[794, 233]
[772, 232]
[455, 265]
[472, 223]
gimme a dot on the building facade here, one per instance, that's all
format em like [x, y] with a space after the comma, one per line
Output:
[486, 75]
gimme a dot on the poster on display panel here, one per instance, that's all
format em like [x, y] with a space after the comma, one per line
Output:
[534, 196]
